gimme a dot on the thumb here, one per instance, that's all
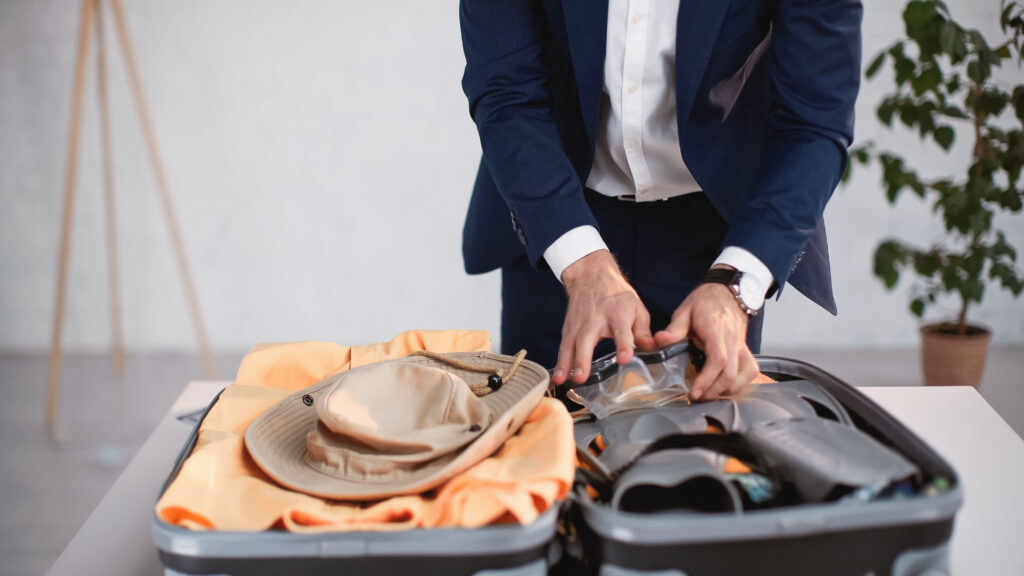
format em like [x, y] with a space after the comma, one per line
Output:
[676, 330]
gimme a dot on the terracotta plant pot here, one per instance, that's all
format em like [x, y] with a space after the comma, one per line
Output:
[951, 359]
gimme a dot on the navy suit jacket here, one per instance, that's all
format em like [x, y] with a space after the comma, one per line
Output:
[765, 91]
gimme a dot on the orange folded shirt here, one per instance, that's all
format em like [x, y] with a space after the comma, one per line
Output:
[219, 487]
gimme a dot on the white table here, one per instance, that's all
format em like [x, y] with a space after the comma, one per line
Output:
[957, 422]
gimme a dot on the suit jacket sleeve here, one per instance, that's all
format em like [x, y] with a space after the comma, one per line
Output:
[815, 72]
[506, 82]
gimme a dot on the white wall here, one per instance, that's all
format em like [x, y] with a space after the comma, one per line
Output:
[321, 157]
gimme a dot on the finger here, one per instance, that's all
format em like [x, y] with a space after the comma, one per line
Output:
[566, 351]
[713, 367]
[717, 388]
[726, 379]
[620, 322]
[676, 329]
[748, 371]
[623, 336]
[642, 330]
[724, 383]
[586, 340]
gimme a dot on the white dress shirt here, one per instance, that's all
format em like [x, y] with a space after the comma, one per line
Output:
[637, 150]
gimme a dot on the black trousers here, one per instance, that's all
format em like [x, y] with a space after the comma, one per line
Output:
[664, 248]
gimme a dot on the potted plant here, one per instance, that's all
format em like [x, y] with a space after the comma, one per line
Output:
[944, 88]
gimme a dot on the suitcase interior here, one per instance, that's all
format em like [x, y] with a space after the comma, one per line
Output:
[882, 537]
[511, 550]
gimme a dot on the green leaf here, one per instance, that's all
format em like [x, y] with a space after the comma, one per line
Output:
[948, 37]
[944, 136]
[928, 79]
[910, 115]
[917, 307]
[888, 255]
[885, 111]
[916, 16]
[959, 50]
[927, 264]
[978, 71]
[972, 289]
[1008, 277]
[1013, 162]
[954, 112]
[1002, 248]
[903, 66]
[861, 154]
[979, 222]
[1018, 102]
[974, 263]
[950, 280]
[875, 65]
[974, 72]
[1011, 200]
[979, 42]
[991, 102]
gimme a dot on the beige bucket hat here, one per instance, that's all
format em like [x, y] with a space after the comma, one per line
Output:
[395, 427]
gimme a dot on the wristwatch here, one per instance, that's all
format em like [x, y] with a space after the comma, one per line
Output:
[747, 290]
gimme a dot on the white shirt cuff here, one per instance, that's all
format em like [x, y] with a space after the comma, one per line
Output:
[747, 263]
[572, 246]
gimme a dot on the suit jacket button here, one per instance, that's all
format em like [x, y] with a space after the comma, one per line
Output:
[518, 228]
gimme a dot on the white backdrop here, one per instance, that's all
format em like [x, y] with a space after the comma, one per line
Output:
[321, 156]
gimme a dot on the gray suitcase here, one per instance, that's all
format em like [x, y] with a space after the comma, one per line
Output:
[501, 550]
[901, 538]
[898, 537]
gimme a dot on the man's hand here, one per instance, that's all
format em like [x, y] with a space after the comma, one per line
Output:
[602, 304]
[711, 317]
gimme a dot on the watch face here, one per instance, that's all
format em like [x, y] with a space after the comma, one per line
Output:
[751, 292]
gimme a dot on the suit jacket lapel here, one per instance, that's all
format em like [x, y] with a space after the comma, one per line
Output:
[586, 23]
[696, 30]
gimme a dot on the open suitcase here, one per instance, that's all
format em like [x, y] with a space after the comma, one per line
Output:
[502, 550]
[895, 536]
[898, 537]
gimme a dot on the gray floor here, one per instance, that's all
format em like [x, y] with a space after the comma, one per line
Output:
[47, 490]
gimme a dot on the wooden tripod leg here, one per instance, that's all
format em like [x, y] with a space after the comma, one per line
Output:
[209, 367]
[113, 268]
[71, 173]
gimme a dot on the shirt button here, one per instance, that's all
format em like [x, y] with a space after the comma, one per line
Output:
[632, 89]
[638, 19]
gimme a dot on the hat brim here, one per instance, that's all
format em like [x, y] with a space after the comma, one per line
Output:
[276, 440]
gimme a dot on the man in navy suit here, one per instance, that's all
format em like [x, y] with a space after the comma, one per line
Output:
[655, 164]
